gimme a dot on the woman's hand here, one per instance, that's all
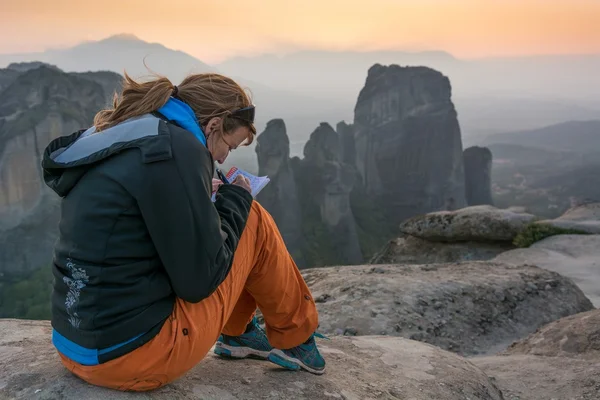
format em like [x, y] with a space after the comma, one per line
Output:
[242, 181]
[215, 184]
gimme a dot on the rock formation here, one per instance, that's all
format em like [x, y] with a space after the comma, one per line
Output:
[39, 104]
[280, 197]
[558, 361]
[413, 250]
[348, 149]
[307, 194]
[584, 217]
[329, 182]
[469, 234]
[358, 368]
[476, 223]
[574, 256]
[408, 141]
[478, 175]
[401, 156]
[572, 336]
[468, 308]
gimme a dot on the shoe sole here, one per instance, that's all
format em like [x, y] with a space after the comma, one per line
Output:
[239, 352]
[280, 358]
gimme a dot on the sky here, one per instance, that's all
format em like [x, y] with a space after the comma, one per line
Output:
[213, 30]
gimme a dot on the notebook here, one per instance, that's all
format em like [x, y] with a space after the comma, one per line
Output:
[257, 183]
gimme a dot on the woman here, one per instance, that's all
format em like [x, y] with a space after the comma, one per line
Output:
[149, 272]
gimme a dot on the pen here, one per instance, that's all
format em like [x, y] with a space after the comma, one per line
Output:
[221, 176]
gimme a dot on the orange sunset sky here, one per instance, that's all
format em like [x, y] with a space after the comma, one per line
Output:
[214, 29]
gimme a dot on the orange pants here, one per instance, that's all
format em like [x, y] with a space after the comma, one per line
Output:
[263, 274]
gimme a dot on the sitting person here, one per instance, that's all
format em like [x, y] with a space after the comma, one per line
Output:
[149, 272]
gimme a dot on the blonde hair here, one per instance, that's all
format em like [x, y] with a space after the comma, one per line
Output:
[209, 95]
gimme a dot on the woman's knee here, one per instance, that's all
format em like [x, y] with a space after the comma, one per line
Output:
[262, 217]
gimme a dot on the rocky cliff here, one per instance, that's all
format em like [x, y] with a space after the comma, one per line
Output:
[329, 181]
[408, 141]
[39, 104]
[309, 198]
[478, 175]
[401, 157]
[280, 197]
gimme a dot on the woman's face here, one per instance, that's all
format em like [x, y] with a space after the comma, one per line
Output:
[219, 144]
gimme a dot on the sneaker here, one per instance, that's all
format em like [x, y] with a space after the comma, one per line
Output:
[253, 343]
[305, 356]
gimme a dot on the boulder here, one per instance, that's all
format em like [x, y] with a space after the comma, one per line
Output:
[573, 336]
[574, 256]
[483, 223]
[368, 367]
[412, 250]
[468, 308]
[585, 218]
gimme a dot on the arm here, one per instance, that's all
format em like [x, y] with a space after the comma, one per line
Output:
[195, 239]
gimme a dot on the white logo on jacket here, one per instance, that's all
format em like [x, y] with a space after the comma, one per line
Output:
[76, 283]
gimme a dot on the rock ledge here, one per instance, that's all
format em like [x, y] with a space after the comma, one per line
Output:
[366, 367]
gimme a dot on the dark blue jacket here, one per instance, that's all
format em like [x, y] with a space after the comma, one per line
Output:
[137, 230]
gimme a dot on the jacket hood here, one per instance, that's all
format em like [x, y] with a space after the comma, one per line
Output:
[67, 158]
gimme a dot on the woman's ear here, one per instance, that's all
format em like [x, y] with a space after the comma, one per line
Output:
[213, 125]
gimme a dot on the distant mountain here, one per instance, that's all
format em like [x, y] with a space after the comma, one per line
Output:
[336, 75]
[491, 95]
[343, 73]
[127, 53]
[483, 116]
[302, 111]
[117, 53]
[306, 88]
[10, 73]
[546, 169]
[527, 155]
[576, 136]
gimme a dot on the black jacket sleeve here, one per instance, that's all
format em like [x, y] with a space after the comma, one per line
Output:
[195, 238]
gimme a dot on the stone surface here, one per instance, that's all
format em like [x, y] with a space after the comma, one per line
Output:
[559, 361]
[468, 308]
[478, 175]
[40, 104]
[574, 256]
[476, 223]
[367, 367]
[585, 218]
[527, 377]
[408, 141]
[573, 336]
[280, 196]
[412, 250]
